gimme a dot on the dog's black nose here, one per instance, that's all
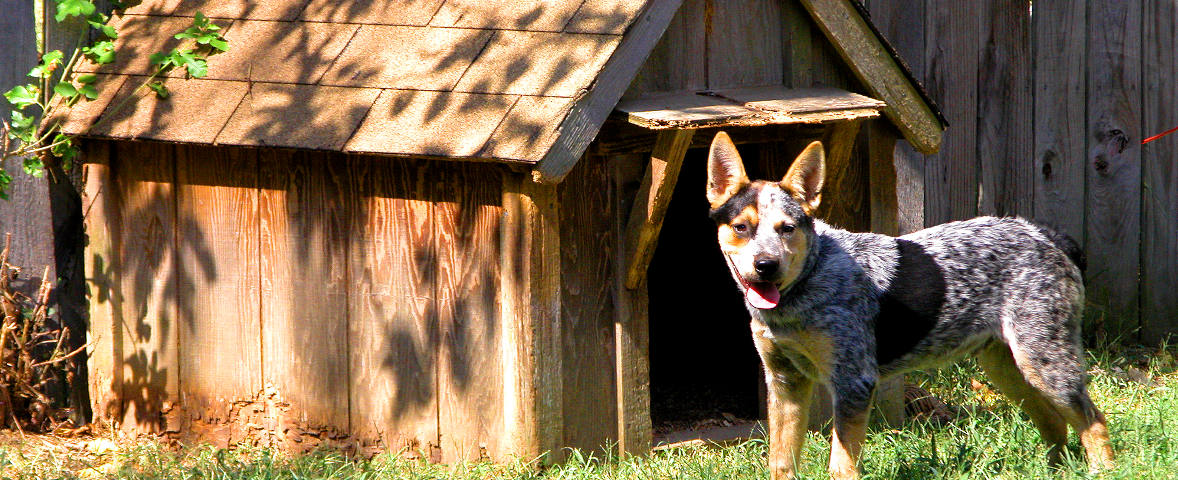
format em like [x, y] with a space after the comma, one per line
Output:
[766, 266]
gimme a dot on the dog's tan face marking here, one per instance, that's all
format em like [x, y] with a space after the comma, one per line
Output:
[736, 234]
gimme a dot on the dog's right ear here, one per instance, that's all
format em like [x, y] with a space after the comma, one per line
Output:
[725, 170]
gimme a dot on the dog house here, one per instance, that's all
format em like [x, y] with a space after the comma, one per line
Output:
[437, 226]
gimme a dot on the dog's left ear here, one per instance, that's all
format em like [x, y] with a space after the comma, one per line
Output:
[804, 178]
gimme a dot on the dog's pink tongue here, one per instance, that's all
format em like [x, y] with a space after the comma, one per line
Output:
[763, 295]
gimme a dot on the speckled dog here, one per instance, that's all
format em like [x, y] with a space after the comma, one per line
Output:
[847, 309]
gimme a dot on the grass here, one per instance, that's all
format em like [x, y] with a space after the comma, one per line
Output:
[1137, 388]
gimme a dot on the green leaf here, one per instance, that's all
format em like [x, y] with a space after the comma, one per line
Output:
[5, 181]
[52, 57]
[20, 121]
[160, 58]
[33, 166]
[101, 52]
[197, 68]
[22, 96]
[40, 71]
[98, 21]
[65, 89]
[73, 8]
[22, 127]
[49, 62]
[63, 147]
[219, 44]
[87, 78]
[159, 88]
[89, 91]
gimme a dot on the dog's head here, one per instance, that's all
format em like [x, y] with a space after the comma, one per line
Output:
[765, 228]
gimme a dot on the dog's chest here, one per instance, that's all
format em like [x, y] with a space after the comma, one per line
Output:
[809, 350]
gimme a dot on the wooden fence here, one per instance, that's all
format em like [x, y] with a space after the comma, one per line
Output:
[1048, 102]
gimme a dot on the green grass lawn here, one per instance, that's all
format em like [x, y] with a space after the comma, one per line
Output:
[1137, 388]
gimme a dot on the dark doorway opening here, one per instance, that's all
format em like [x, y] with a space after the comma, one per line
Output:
[704, 370]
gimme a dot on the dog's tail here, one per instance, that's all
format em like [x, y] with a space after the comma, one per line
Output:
[1069, 246]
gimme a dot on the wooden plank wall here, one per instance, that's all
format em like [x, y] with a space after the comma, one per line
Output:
[314, 295]
[587, 253]
[1047, 111]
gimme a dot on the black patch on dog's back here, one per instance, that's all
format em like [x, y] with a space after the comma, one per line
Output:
[909, 308]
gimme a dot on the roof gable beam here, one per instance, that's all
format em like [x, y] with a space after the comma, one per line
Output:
[884, 78]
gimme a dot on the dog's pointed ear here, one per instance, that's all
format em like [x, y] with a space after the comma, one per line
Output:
[725, 170]
[804, 178]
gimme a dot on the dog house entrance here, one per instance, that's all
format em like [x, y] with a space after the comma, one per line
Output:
[704, 370]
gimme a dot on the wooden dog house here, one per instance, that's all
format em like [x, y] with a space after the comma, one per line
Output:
[426, 225]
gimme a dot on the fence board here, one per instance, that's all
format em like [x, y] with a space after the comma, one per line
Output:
[1005, 110]
[1159, 242]
[470, 377]
[217, 235]
[303, 223]
[950, 187]
[1059, 76]
[147, 317]
[1114, 162]
[903, 24]
[392, 328]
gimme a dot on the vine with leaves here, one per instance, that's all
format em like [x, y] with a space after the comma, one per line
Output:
[56, 86]
[32, 353]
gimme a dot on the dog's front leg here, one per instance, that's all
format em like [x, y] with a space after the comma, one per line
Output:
[852, 400]
[789, 404]
[789, 415]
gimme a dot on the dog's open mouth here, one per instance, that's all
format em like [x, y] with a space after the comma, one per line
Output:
[763, 295]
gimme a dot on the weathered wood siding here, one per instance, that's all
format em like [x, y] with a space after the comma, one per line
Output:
[299, 298]
[1047, 109]
[588, 249]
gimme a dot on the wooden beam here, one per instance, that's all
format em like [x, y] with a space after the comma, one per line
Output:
[881, 184]
[631, 322]
[650, 206]
[105, 354]
[590, 111]
[866, 55]
[531, 332]
[843, 193]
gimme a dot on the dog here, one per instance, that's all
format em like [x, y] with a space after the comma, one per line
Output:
[848, 309]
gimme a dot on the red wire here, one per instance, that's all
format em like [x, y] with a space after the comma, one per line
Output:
[1160, 135]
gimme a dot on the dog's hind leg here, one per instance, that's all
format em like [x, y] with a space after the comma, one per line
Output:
[998, 363]
[1049, 356]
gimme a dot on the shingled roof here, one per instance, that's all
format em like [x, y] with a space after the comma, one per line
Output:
[486, 79]
[503, 80]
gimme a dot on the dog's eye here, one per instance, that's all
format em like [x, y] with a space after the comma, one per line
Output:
[786, 228]
[740, 227]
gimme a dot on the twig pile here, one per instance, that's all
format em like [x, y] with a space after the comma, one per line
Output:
[32, 359]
